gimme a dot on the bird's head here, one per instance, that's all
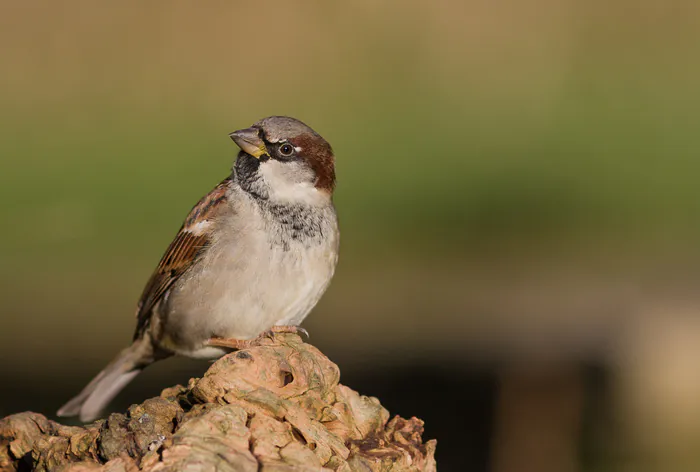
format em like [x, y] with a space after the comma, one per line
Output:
[285, 161]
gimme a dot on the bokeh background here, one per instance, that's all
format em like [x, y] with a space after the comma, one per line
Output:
[517, 191]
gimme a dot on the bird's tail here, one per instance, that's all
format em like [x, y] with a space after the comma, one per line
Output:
[89, 403]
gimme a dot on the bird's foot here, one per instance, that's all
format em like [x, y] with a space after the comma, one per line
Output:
[229, 343]
[298, 330]
[239, 344]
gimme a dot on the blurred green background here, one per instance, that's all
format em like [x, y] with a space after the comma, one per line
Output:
[517, 191]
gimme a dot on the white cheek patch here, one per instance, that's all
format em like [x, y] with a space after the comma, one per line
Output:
[291, 182]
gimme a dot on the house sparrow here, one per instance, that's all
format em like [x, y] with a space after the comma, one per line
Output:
[254, 255]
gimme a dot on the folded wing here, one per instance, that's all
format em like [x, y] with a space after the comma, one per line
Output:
[183, 252]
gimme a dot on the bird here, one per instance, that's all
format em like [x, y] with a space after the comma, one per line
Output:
[253, 256]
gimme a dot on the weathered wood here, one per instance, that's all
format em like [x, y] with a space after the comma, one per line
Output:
[274, 407]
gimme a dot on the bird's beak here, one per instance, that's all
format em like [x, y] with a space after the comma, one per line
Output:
[250, 142]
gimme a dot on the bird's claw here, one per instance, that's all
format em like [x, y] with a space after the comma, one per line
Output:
[238, 344]
[298, 330]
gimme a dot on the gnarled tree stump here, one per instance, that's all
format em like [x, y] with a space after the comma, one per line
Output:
[275, 407]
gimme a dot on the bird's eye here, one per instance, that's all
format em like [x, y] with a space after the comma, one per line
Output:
[286, 149]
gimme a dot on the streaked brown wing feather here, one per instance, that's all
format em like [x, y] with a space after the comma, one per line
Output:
[181, 253]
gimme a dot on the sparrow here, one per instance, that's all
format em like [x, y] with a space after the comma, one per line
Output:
[254, 255]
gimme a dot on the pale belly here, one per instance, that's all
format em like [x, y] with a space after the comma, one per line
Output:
[239, 290]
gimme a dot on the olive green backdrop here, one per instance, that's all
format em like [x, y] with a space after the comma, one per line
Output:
[517, 192]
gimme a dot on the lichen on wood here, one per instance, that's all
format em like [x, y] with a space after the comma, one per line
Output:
[276, 407]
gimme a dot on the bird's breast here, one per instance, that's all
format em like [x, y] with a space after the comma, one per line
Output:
[259, 271]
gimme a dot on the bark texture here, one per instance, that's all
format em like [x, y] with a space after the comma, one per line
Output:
[276, 407]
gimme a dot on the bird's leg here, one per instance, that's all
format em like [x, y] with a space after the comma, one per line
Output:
[298, 330]
[229, 343]
[239, 344]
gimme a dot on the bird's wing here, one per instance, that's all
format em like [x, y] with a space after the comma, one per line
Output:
[193, 237]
